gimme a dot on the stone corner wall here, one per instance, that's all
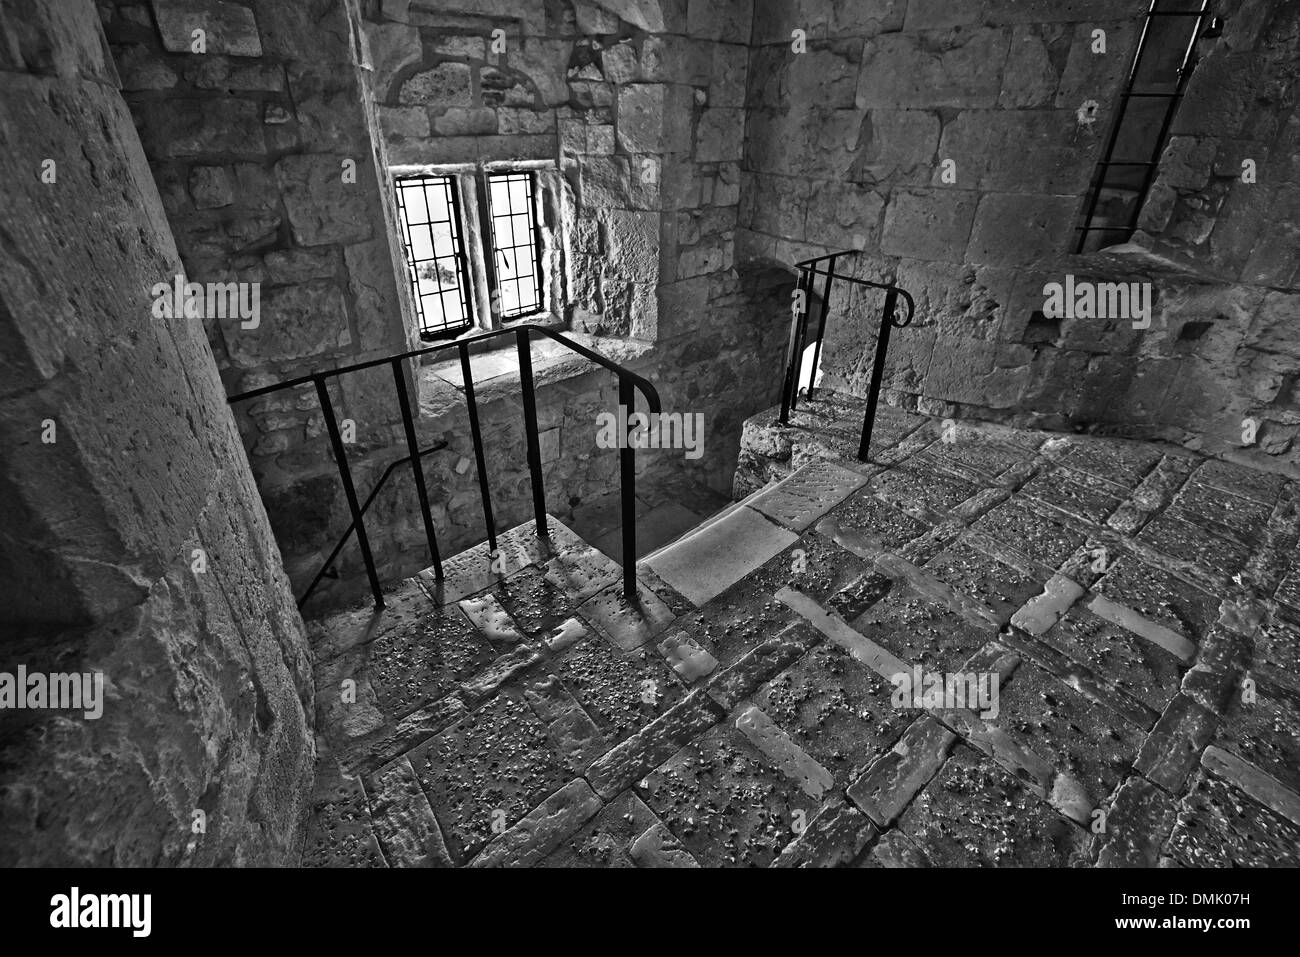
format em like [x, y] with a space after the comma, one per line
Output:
[135, 547]
[848, 147]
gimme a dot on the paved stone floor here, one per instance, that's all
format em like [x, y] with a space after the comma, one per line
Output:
[1139, 607]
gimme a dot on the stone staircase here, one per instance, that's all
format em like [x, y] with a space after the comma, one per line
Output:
[1124, 595]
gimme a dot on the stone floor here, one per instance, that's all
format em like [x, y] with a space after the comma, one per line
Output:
[1139, 607]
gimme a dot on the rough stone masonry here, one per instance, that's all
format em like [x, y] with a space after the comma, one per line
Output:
[689, 152]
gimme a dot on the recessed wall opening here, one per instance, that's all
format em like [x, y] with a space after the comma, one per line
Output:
[482, 245]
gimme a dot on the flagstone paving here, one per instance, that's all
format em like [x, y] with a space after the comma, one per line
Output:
[1137, 606]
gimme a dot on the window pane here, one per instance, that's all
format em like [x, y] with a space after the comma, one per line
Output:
[421, 247]
[435, 254]
[515, 242]
[416, 210]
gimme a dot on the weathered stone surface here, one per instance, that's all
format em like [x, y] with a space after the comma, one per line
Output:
[1137, 824]
[467, 803]
[1001, 823]
[834, 838]
[658, 847]
[904, 70]
[543, 829]
[639, 119]
[889, 784]
[1219, 826]
[1175, 744]
[308, 319]
[654, 743]
[694, 794]
[403, 820]
[207, 675]
[624, 624]
[708, 562]
[930, 225]
[322, 207]
[227, 27]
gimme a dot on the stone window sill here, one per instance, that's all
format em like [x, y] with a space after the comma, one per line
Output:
[496, 373]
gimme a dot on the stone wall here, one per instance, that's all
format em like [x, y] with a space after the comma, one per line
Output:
[639, 107]
[135, 544]
[1240, 122]
[847, 144]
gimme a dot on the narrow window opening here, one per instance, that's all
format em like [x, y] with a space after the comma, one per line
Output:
[516, 245]
[429, 212]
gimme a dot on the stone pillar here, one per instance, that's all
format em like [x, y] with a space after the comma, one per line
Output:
[134, 545]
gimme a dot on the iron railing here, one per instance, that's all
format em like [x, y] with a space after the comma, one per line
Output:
[808, 270]
[523, 333]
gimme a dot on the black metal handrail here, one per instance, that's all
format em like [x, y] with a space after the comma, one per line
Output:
[799, 334]
[627, 382]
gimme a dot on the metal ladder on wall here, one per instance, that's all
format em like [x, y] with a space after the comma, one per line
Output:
[1102, 180]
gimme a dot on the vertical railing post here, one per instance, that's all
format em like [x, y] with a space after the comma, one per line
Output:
[476, 434]
[821, 326]
[627, 488]
[417, 467]
[792, 357]
[530, 429]
[801, 340]
[877, 372]
[349, 490]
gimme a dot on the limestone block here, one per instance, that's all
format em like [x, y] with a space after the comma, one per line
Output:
[284, 266]
[632, 240]
[845, 215]
[393, 46]
[141, 69]
[593, 19]
[445, 85]
[1049, 11]
[825, 77]
[1089, 75]
[322, 208]
[1011, 229]
[181, 127]
[728, 75]
[1027, 151]
[897, 147]
[942, 14]
[228, 27]
[308, 319]
[930, 224]
[459, 121]
[210, 187]
[962, 68]
[866, 17]
[223, 73]
[545, 62]
[1031, 75]
[619, 63]
[404, 122]
[373, 279]
[610, 182]
[784, 206]
[639, 119]
[720, 135]
[728, 21]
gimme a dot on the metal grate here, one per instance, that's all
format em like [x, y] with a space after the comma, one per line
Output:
[435, 255]
[1141, 128]
[516, 246]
